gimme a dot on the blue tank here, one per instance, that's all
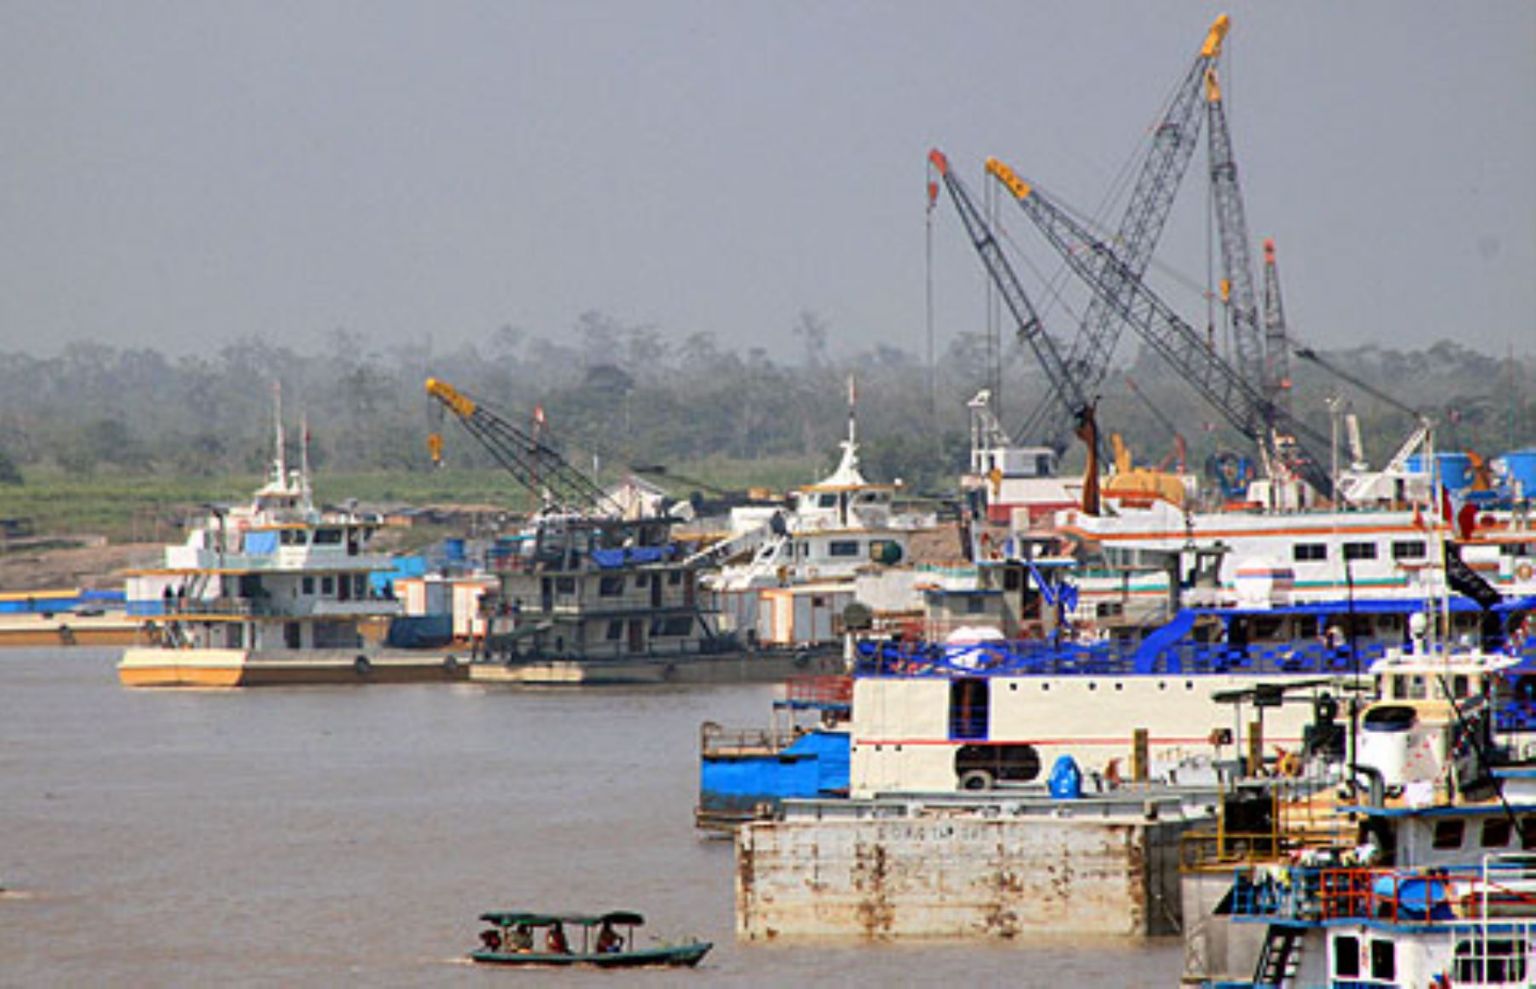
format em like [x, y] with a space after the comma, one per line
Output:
[1455, 468]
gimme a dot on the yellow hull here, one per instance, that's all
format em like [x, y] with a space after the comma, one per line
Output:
[157, 667]
[36, 631]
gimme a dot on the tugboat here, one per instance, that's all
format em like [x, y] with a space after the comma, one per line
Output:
[1426, 877]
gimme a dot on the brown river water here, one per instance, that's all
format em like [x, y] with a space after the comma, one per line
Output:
[350, 836]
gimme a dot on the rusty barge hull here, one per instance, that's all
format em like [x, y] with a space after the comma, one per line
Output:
[962, 878]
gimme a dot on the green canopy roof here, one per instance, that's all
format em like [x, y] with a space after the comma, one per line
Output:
[510, 918]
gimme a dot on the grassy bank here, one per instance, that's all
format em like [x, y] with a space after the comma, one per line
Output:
[149, 508]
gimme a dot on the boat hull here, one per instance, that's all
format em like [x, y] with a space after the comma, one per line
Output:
[159, 667]
[728, 667]
[680, 956]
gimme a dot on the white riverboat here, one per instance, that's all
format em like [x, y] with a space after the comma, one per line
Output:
[274, 591]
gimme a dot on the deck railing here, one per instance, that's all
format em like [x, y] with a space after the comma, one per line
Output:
[1498, 891]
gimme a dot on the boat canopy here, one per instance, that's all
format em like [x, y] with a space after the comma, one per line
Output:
[510, 918]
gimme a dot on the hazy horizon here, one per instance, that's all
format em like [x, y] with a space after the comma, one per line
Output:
[181, 175]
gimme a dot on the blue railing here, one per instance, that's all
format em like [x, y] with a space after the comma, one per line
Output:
[1044, 658]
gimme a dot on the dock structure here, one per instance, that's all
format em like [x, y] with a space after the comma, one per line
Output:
[952, 866]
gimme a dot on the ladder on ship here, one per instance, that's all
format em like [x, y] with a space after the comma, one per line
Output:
[1279, 956]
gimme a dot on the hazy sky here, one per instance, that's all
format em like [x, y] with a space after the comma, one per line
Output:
[181, 174]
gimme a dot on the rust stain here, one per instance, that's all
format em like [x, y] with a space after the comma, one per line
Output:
[1139, 880]
[871, 873]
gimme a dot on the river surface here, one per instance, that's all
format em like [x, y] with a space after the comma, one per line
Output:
[327, 836]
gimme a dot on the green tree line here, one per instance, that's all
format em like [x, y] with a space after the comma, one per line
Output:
[620, 394]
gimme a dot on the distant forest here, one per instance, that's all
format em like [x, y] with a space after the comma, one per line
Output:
[632, 395]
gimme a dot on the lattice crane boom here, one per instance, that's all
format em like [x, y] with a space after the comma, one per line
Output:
[1243, 405]
[1146, 213]
[1031, 330]
[1237, 283]
[531, 461]
[1277, 353]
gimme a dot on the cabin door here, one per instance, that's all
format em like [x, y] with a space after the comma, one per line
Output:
[636, 635]
[969, 708]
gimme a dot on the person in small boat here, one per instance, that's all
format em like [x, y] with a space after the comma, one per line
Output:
[555, 942]
[521, 938]
[491, 938]
[609, 940]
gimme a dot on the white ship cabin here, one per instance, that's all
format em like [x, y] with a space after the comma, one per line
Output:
[1005, 477]
[272, 574]
[1009, 599]
[1305, 556]
[1428, 701]
[833, 528]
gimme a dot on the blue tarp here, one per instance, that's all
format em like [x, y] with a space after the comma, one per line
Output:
[405, 566]
[609, 559]
[816, 764]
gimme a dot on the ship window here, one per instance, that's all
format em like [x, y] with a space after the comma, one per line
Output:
[1346, 957]
[843, 547]
[1448, 834]
[642, 579]
[615, 631]
[327, 586]
[975, 604]
[1459, 685]
[676, 625]
[1012, 579]
[610, 586]
[327, 537]
[1496, 832]
[1411, 550]
[359, 585]
[309, 585]
[1309, 551]
[1383, 960]
[1359, 551]
[565, 585]
[675, 577]
[1500, 962]
[826, 501]
[291, 537]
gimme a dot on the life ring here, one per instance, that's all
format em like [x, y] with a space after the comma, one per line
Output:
[1524, 571]
[361, 666]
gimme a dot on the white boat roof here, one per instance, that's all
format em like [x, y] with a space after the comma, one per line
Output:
[1437, 663]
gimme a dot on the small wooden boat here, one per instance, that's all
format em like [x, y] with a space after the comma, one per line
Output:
[522, 938]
